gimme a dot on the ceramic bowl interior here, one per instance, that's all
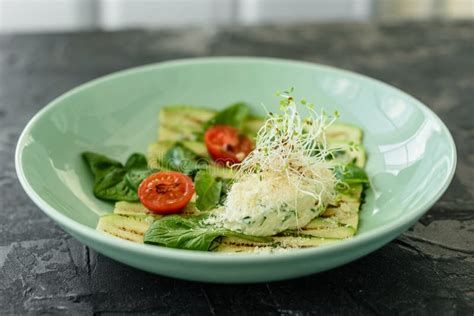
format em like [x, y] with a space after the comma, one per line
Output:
[411, 155]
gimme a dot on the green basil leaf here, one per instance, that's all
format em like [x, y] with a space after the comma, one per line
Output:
[120, 191]
[179, 232]
[99, 164]
[134, 177]
[182, 159]
[208, 191]
[226, 185]
[112, 186]
[350, 174]
[136, 161]
[190, 233]
[112, 180]
[234, 115]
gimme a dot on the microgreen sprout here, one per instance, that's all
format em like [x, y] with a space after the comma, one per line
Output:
[295, 147]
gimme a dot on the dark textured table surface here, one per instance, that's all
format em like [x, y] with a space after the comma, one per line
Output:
[428, 270]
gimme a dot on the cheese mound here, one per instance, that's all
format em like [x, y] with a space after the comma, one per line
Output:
[286, 180]
[267, 204]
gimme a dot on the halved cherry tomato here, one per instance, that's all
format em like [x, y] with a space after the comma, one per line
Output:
[225, 145]
[166, 192]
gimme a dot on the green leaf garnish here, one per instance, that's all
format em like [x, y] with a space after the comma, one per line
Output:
[234, 115]
[112, 180]
[182, 159]
[189, 233]
[350, 174]
[208, 191]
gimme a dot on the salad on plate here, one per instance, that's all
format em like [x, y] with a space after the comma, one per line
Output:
[230, 181]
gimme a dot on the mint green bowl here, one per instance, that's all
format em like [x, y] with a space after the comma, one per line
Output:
[411, 154]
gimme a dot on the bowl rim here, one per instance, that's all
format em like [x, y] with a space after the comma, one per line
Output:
[204, 256]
